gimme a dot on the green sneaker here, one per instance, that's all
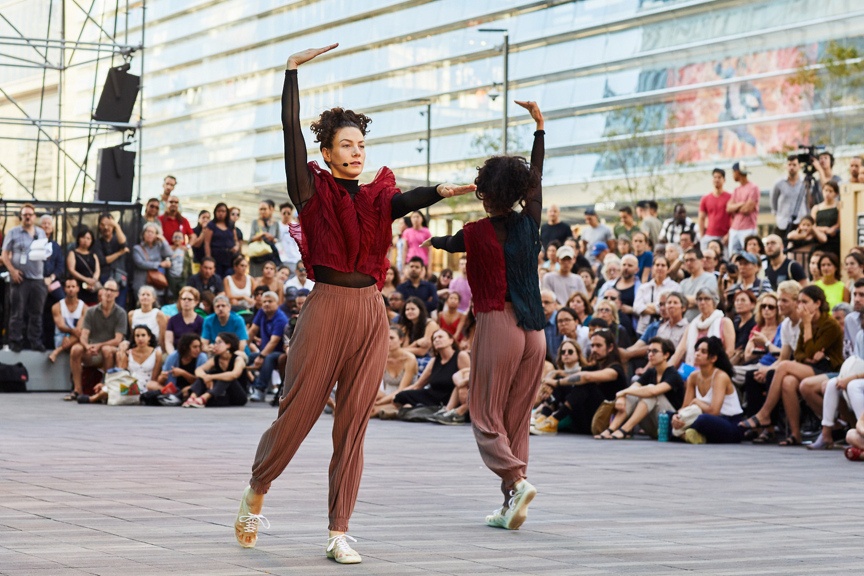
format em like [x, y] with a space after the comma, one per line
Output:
[521, 495]
[497, 519]
[691, 436]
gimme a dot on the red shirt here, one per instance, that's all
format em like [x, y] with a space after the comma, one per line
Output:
[172, 225]
[486, 270]
[344, 234]
[718, 218]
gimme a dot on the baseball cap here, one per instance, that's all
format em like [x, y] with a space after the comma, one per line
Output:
[747, 256]
[290, 293]
[590, 211]
[565, 252]
[741, 167]
[303, 292]
[598, 248]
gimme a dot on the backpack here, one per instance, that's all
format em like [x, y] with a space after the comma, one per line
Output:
[13, 377]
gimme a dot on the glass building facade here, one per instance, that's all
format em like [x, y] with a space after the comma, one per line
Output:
[710, 76]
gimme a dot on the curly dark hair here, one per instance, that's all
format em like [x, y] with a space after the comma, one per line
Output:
[504, 181]
[332, 120]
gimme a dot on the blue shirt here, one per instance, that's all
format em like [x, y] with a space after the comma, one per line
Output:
[651, 331]
[212, 327]
[269, 327]
[646, 260]
[425, 291]
[553, 337]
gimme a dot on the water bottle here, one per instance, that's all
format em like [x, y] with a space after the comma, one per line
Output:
[663, 424]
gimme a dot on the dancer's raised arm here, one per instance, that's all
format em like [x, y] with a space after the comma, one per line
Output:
[299, 178]
[534, 204]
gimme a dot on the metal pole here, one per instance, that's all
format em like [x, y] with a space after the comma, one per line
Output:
[141, 101]
[506, 85]
[60, 164]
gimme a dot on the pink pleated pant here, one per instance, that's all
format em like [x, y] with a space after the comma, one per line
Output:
[341, 335]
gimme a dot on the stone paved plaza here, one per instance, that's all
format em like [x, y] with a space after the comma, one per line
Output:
[153, 491]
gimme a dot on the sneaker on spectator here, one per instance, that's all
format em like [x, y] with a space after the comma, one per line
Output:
[691, 436]
[537, 418]
[420, 414]
[170, 400]
[258, 395]
[548, 427]
[451, 418]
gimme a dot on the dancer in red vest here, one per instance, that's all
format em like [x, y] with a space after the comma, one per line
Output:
[346, 233]
[509, 346]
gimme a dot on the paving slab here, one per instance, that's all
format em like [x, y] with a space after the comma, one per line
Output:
[146, 491]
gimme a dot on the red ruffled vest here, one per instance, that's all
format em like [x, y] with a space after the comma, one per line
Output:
[487, 272]
[344, 234]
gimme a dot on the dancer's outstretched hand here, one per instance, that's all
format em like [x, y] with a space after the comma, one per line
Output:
[426, 243]
[451, 190]
[299, 58]
[534, 110]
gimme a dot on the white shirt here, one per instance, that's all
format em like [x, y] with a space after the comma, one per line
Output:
[649, 293]
[294, 282]
[789, 334]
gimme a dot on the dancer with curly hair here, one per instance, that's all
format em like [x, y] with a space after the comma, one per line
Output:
[346, 234]
[509, 344]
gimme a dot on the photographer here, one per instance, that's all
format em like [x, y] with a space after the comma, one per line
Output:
[788, 203]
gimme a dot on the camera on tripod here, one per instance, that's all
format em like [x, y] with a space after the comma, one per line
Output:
[807, 157]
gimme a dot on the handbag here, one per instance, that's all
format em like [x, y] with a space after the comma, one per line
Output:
[122, 388]
[258, 248]
[602, 417]
[157, 279]
[688, 416]
[84, 286]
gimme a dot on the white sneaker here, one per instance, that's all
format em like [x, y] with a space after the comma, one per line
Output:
[517, 509]
[339, 550]
[497, 519]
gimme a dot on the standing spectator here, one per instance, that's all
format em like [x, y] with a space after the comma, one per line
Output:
[111, 249]
[301, 278]
[67, 315]
[288, 249]
[554, 228]
[173, 221]
[780, 268]
[103, 329]
[788, 203]
[176, 273]
[266, 229]
[221, 240]
[84, 267]
[564, 282]
[234, 217]
[713, 215]
[267, 328]
[168, 184]
[415, 236]
[151, 214]
[27, 289]
[206, 280]
[855, 175]
[54, 267]
[152, 253]
[197, 240]
[826, 215]
[743, 208]
[647, 303]
[626, 226]
[223, 320]
[646, 210]
[674, 227]
[596, 233]
[186, 321]
[416, 286]
[698, 279]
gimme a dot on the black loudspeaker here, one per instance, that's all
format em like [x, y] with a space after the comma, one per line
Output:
[115, 172]
[118, 96]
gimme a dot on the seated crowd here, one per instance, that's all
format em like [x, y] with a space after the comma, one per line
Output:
[732, 335]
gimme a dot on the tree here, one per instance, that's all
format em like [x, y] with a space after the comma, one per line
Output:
[833, 87]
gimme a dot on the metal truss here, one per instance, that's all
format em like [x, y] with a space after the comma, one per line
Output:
[57, 53]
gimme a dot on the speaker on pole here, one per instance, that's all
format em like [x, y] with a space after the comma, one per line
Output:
[118, 96]
[115, 172]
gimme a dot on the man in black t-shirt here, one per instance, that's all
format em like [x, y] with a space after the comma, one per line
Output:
[659, 389]
[554, 228]
[779, 268]
[206, 280]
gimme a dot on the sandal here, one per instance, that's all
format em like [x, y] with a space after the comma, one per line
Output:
[605, 435]
[71, 397]
[765, 437]
[625, 435]
[752, 423]
[790, 441]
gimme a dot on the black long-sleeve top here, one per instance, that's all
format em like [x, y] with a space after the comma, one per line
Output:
[301, 185]
[533, 204]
